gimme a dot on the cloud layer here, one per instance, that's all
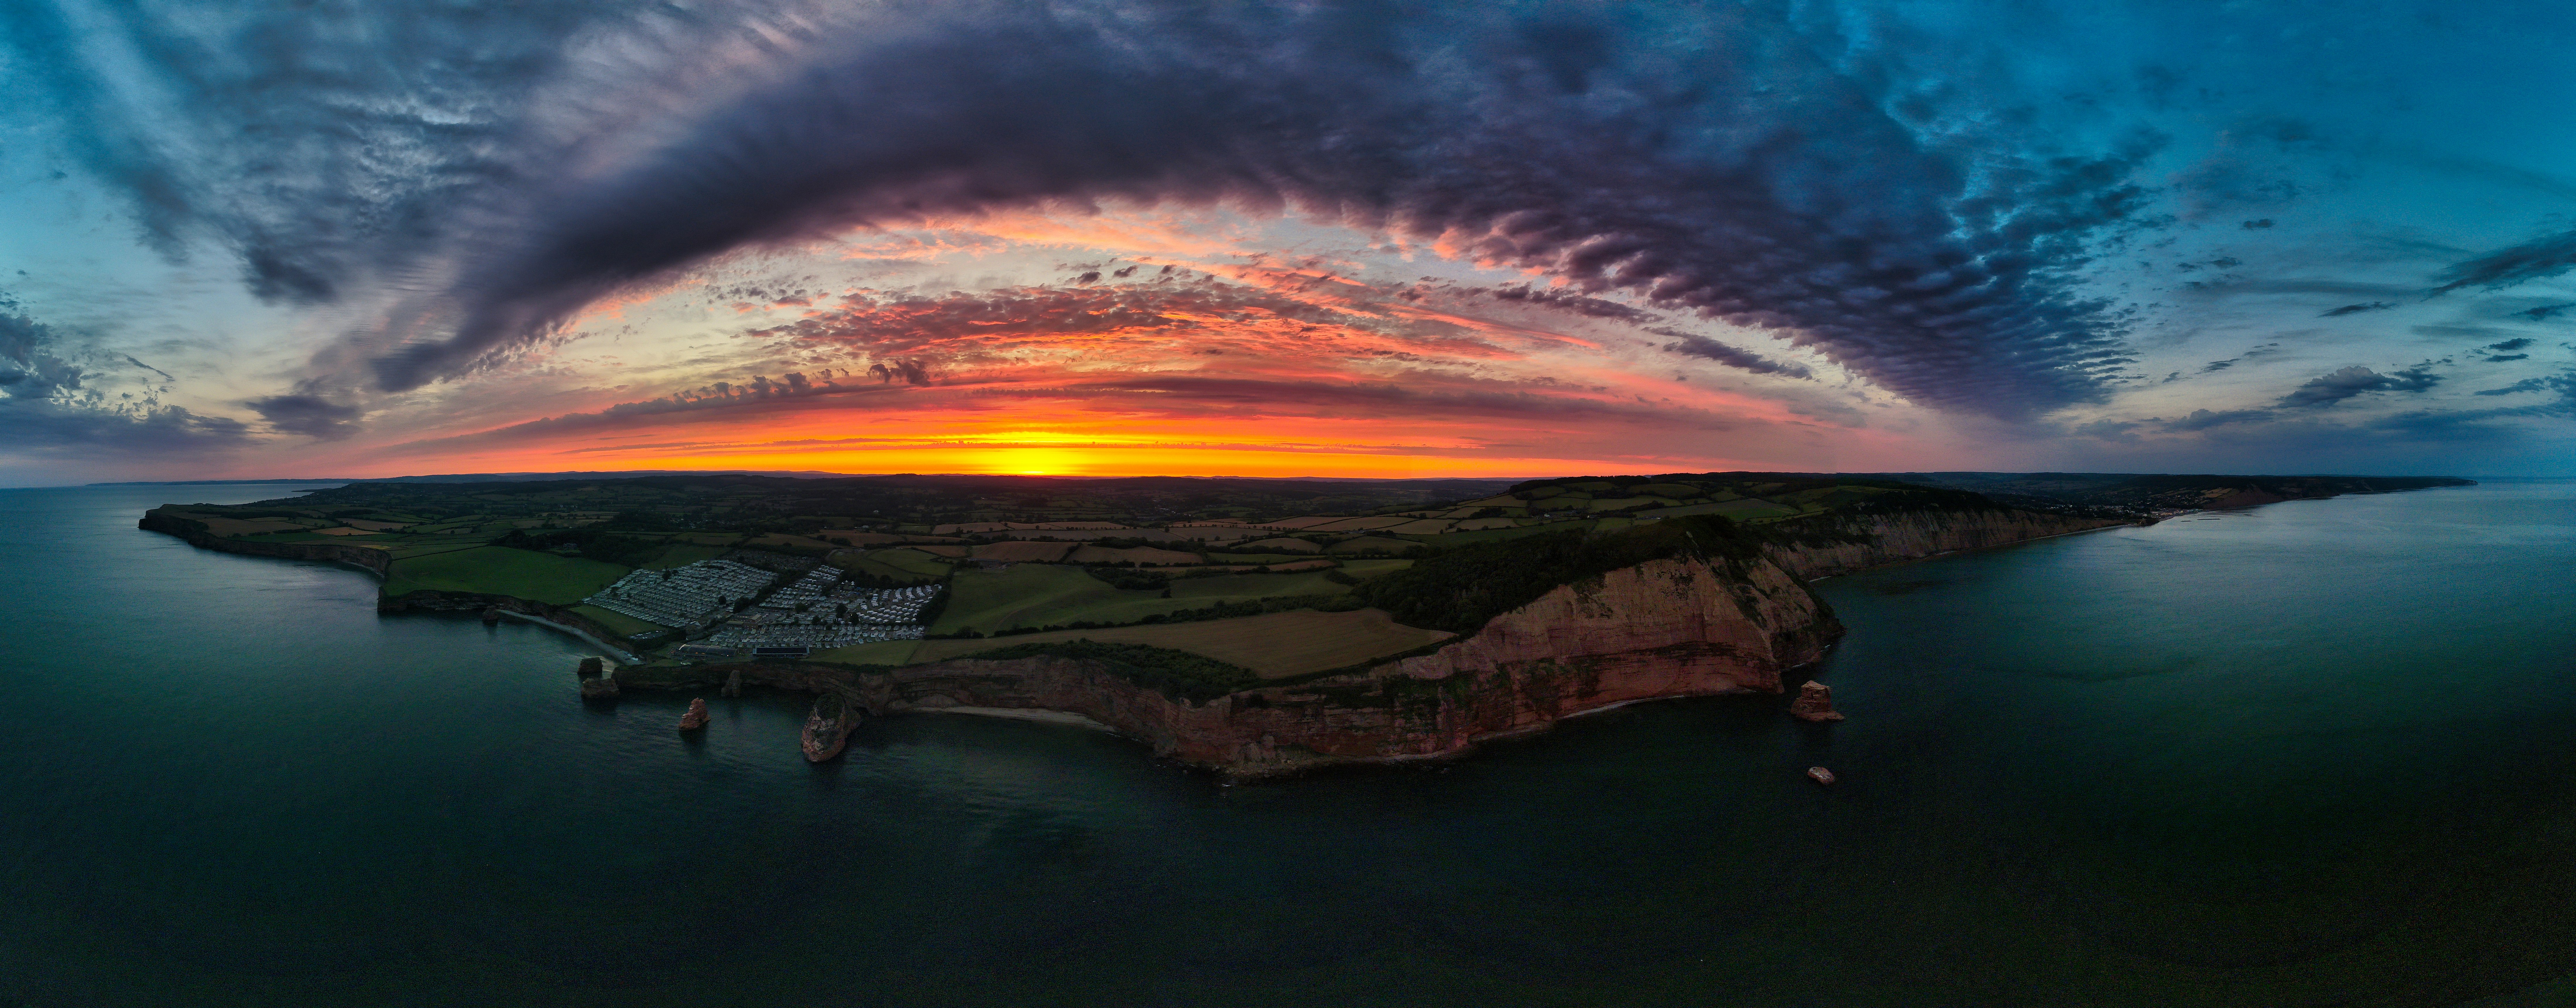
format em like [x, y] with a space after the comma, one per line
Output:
[1672, 151]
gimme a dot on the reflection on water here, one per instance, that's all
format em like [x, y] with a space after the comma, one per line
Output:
[2314, 753]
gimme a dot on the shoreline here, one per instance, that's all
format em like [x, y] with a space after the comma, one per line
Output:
[618, 653]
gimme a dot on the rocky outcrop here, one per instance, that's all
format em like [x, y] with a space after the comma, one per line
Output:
[1815, 702]
[1878, 540]
[596, 684]
[376, 560]
[1666, 628]
[697, 717]
[828, 726]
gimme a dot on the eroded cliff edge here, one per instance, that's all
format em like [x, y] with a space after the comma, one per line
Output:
[1700, 619]
[1830, 545]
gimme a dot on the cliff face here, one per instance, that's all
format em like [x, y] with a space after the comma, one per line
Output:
[1667, 628]
[195, 533]
[1914, 535]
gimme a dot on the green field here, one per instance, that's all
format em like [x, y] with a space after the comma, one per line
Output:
[682, 554]
[907, 565]
[625, 625]
[1366, 569]
[427, 546]
[1031, 594]
[893, 652]
[500, 570]
[1238, 587]
[1448, 539]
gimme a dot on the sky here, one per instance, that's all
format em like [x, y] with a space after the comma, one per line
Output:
[358, 239]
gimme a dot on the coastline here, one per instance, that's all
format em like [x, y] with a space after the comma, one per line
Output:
[1664, 637]
[621, 654]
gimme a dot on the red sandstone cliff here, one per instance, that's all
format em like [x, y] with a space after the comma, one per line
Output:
[1914, 535]
[1667, 628]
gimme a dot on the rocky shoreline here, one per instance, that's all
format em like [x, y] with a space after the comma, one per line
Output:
[1667, 628]
[1663, 629]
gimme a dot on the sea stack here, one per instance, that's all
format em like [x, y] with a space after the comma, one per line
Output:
[596, 683]
[491, 615]
[697, 716]
[828, 728]
[733, 684]
[1815, 703]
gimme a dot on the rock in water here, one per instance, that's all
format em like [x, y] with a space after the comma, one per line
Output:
[590, 668]
[828, 728]
[697, 716]
[599, 688]
[1820, 775]
[1815, 703]
[492, 615]
[733, 684]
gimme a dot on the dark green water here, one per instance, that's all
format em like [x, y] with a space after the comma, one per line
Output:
[2315, 754]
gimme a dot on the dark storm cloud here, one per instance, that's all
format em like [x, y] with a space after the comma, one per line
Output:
[2263, 350]
[336, 141]
[52, 404]
[2563, 383]
[310, 415]
[2354, 309]
[1590, 307]
[1702, 346]
[2538, 259]
[1768, 165]
[2205, 419]
[2510, 345]
[2337, 386]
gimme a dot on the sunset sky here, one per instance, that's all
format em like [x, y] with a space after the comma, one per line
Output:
[1284, 239]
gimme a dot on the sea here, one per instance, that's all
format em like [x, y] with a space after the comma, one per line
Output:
[2315, 753]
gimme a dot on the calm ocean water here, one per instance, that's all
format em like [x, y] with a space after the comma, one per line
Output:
[2320, 753]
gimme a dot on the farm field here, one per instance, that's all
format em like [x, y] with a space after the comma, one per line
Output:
[499, 570]
[682, 554]
[1239, 587]
[1023, 552]
[1041, 594]
[1139, 555]
[1372, 543]
[624, 624]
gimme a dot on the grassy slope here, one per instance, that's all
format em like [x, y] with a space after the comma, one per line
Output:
[1040, 594]
[1234, 587]
[682, 554]
[499, 570]
[1031, 595]
[617, 621]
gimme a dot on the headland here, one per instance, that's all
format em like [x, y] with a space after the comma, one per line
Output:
[1253, 628]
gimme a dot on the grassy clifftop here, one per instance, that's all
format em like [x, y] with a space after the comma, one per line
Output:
[1459, 590]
